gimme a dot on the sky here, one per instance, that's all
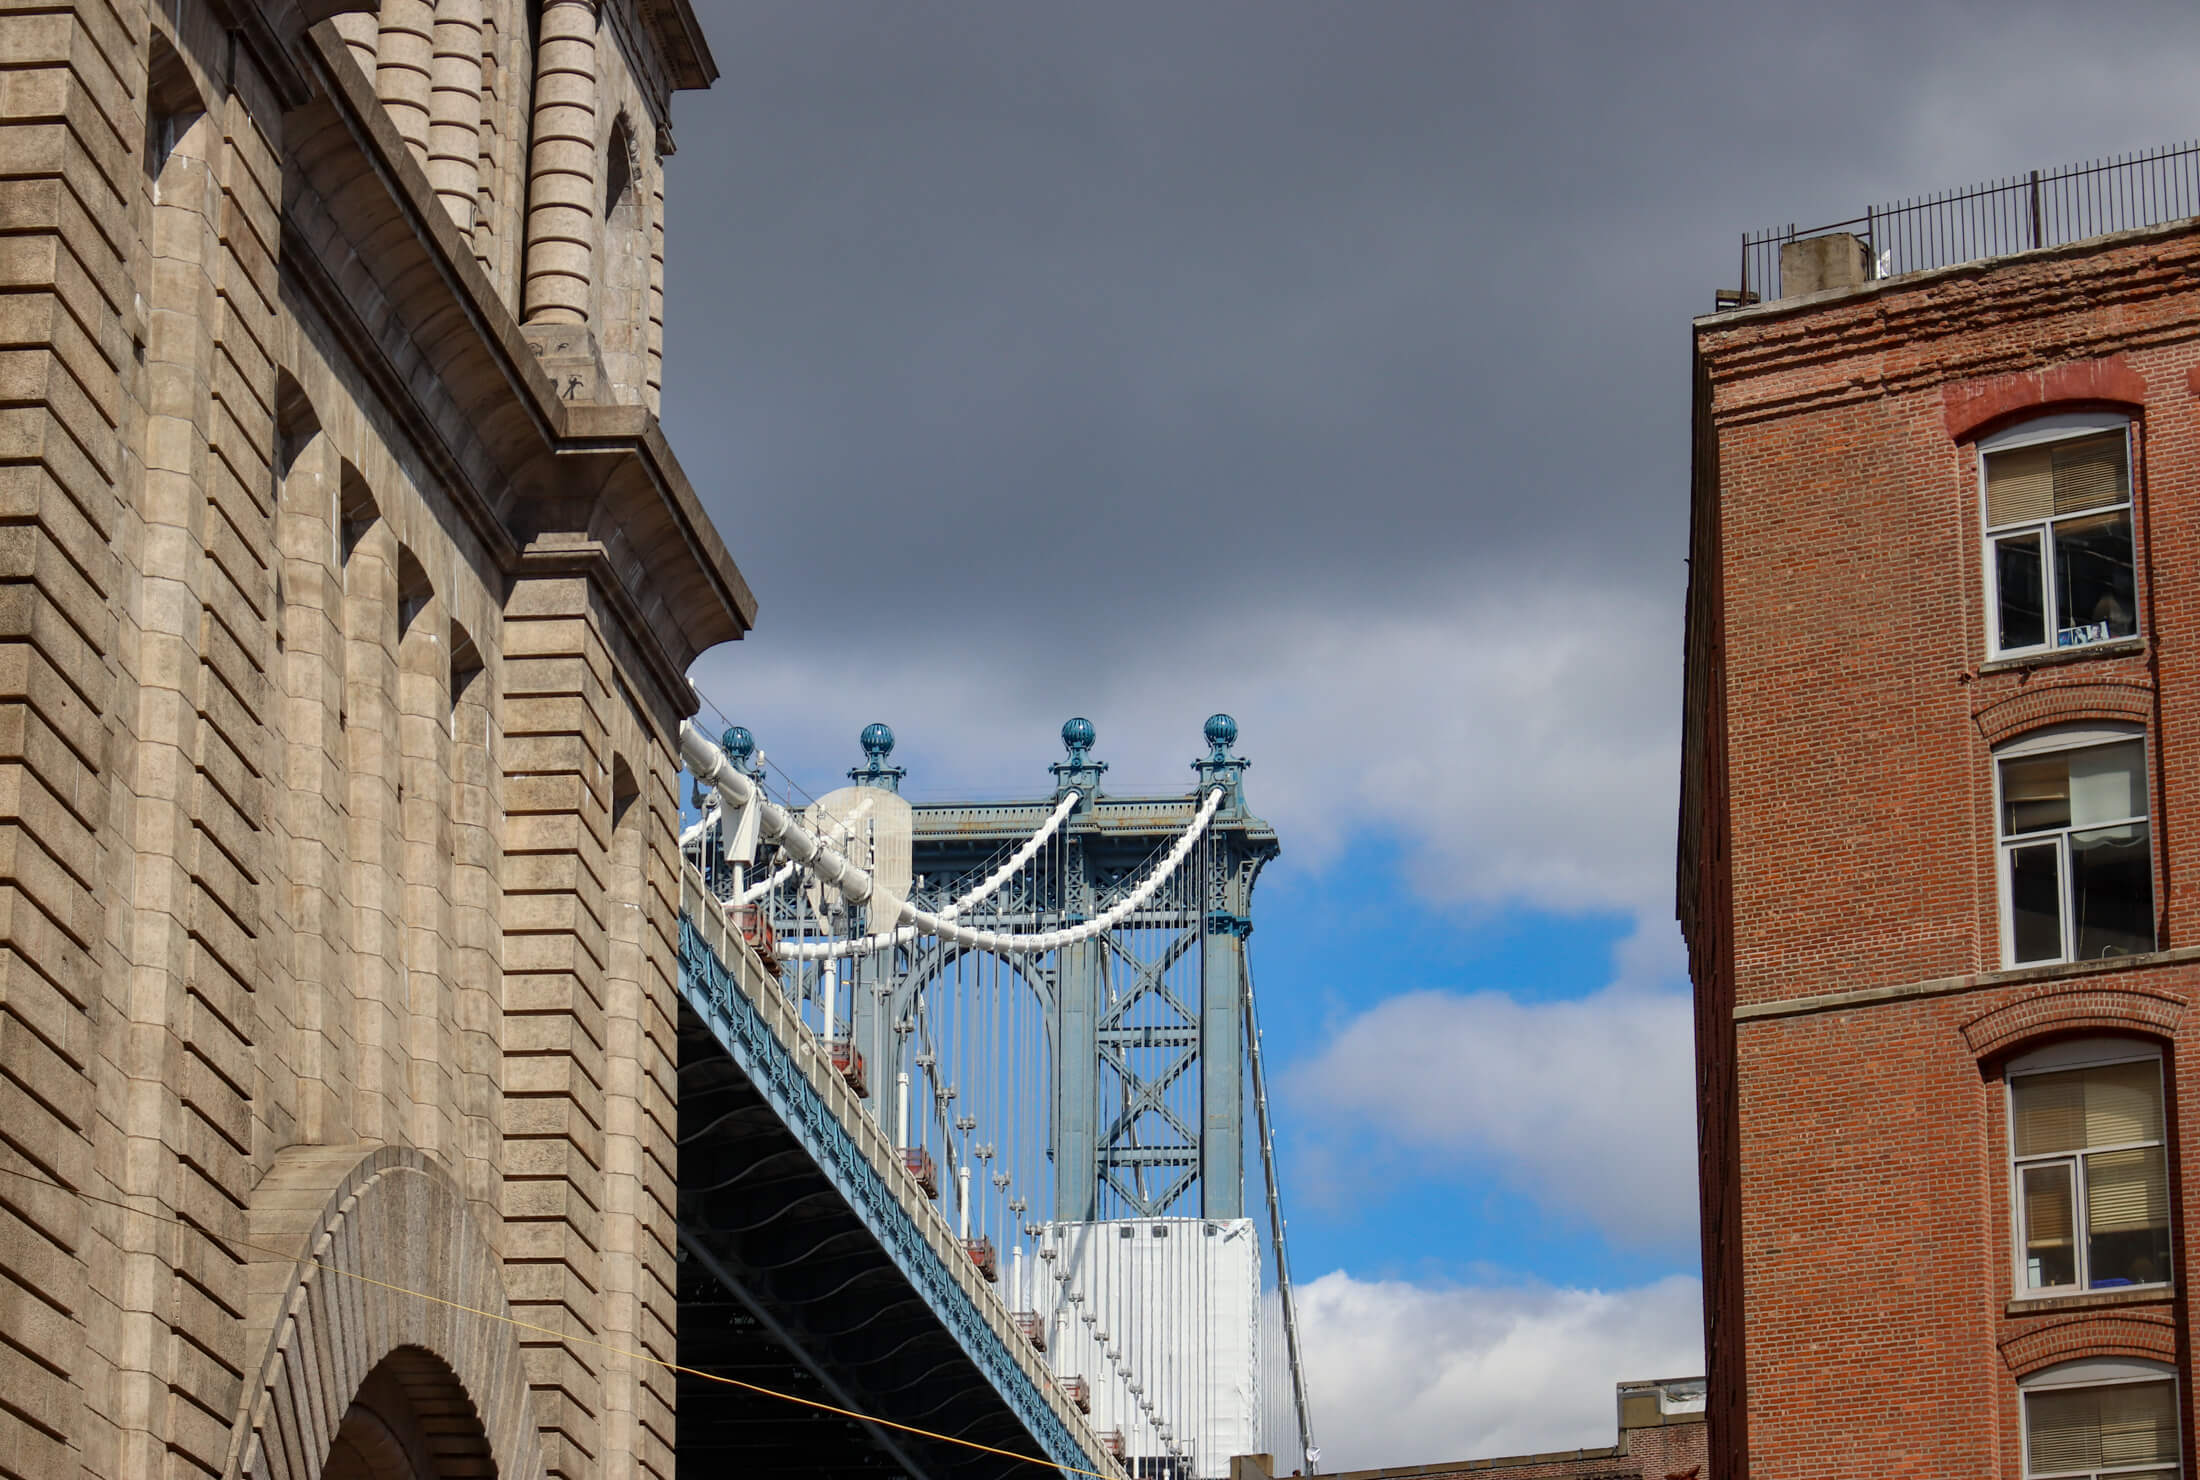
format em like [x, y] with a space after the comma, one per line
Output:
[1326, 364]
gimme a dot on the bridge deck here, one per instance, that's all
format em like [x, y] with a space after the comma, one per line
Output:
[810, 1252]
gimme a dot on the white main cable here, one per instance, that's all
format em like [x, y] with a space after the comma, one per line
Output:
[905, 934]
[831, 867]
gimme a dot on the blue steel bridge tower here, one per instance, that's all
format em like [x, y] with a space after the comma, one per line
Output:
[1148, 1020]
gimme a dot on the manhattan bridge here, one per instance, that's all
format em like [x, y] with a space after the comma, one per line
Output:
[970, 1098]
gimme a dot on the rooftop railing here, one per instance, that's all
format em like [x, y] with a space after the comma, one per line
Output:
[2041, 208]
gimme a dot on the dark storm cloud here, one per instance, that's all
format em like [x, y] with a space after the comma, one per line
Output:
[1106, 312]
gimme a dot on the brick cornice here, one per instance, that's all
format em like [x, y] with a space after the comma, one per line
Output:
[2149, 1334]
[2046, 702]
[1920, 330]
[2072, 1008]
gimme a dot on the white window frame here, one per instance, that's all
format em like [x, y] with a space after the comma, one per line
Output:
[2079, 1053]
[2060, 428]
[2090, 1373]
[2050, 741]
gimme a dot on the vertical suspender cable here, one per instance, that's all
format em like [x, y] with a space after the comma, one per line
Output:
[1275, 1227]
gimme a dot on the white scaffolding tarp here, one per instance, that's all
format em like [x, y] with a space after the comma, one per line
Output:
[1179, 1302]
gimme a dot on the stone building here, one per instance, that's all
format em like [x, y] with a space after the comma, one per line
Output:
[1941, 771]
[349, 589]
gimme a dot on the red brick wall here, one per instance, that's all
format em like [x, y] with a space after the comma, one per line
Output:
[1838, 843]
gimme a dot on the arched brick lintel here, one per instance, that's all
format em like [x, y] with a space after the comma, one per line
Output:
[2145, 1335]
[394, 1217]
[2061, 1011]
[2038, 705]
[1971, 407]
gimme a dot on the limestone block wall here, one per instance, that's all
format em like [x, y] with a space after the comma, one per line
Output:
[334, 832]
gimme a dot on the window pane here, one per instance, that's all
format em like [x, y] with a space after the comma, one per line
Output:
[2035, 902]
[2127, 1218]
[2020, 486]
[2094, 592]
[2018, 583]
[2075, 1430]
[2050, 1244]
[2111, 892]
[2092, 472]
[2107, 783]
[2138, 1423]
[2072, 1109]
[2062, 1431]
[2123, 1102]
[2050, 1112]
[2035, 794]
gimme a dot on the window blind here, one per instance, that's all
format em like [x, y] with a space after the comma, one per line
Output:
[2126, 1191]
[2085, 1428]
[2110, 1105]
[2047, 1223]
[2027, 484]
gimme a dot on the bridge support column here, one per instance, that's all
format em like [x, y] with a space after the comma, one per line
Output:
[1221, 1071]
[1077, 1099]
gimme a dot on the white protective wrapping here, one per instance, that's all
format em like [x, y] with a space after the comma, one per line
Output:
[1180, 1301]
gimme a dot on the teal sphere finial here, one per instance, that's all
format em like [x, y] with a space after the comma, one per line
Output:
[878, 741]
[1078, 736]
[738, 743]
[1221, 732]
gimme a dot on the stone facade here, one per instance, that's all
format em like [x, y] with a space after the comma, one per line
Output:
[1841, 884]
[349, 589]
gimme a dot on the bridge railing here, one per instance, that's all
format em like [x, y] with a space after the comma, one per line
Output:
[701, 905]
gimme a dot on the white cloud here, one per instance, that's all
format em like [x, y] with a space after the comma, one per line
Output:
[1519, 738]
[1586, 1105]
[1403, 1374]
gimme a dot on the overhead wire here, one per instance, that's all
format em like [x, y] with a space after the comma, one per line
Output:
[564, 1335]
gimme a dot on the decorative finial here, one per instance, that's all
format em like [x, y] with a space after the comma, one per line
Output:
[740, 748]
[1080, 772]
[1218, 767]
[878, 743]
[1222, 733]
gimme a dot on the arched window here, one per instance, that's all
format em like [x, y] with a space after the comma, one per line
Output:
[2090, 1169]
[2077, 868]
[2099, 1418]
[2059, 565]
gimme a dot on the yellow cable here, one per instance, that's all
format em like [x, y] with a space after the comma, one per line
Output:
[515, 1322]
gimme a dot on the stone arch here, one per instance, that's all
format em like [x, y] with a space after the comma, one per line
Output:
[437, 1388]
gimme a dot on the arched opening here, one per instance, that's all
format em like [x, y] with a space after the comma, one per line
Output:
[172, 106]
[410, 1420]
[624, 791]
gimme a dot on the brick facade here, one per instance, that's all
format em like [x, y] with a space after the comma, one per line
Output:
[1838, 870]
[1659, 1439]
[346, 593]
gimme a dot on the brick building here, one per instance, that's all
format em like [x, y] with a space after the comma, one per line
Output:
[349, 586]
[1940, 834]
[1662, 1436]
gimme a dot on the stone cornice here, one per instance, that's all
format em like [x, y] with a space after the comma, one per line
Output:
[448, 357]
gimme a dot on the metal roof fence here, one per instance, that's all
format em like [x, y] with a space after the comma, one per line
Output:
[2040, 208]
